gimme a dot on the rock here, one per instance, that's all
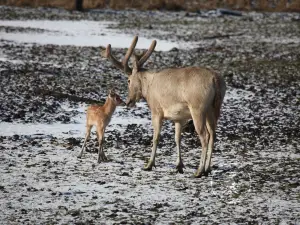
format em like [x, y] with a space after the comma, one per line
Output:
[24, 211]
[15, 137]
[100, 182]
[229, 12]
[125, 174]
[74, 212]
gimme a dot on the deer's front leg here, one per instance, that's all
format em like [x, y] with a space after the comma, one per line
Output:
[156, 123]
[179, 164]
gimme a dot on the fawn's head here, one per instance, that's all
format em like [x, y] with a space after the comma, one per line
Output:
[115, 97]
[134, 82]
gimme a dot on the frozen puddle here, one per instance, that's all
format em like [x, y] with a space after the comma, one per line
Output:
[76, 129]
[78, 33]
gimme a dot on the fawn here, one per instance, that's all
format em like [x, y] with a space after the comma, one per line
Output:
[100, 117]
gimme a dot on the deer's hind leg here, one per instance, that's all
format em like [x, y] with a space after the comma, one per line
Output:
[87, 136]
[211, 128]
[199, 117]
[178, 129]
[100, 134]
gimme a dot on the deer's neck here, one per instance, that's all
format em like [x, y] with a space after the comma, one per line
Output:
[146, 79]
[109, 107]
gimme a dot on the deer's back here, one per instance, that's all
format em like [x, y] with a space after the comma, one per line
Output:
[97, 116]
[184, 84]
[174, 91]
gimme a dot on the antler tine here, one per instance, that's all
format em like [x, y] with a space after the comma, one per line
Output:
[140, 55]
[124, 64]
[147, 54]
[129, 52]
[107, 54]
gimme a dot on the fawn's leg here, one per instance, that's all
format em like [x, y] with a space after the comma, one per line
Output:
[87, 135]
[156, 123]
[101, 155]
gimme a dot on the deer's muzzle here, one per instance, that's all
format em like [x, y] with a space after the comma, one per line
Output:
[130, 103]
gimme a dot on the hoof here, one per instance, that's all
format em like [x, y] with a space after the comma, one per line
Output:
[79, 156]
[146, 168]
[179, 168]
[149, 166]
[207, 173]
[199, 174]
[102, 158]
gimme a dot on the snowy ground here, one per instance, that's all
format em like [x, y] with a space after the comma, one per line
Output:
[51, 70]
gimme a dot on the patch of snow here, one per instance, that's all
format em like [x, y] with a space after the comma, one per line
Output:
[237, 94]
[3, 59]
[273, 39]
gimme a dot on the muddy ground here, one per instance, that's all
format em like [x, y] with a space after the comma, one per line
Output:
[256, 162]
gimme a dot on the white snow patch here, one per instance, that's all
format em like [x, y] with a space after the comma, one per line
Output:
[272, 39]
[3, 59]
[237, 94]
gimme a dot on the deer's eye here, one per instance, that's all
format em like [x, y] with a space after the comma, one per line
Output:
[128, 81]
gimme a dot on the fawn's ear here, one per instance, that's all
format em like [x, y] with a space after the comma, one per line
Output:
[111, 93]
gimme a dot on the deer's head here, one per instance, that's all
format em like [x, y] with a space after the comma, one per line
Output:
[115, 97]
[134, 82]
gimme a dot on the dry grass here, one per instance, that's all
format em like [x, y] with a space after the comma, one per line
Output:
[190, 5]
[36, 3]
[93, 4]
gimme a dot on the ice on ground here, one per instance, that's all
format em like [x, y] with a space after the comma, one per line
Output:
[78, 33]
[76, 129]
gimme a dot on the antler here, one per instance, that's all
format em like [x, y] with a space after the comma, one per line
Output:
[124, 64]
[147, 54]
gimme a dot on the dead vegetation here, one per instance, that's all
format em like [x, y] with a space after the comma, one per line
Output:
[190, 5]
[37, 3]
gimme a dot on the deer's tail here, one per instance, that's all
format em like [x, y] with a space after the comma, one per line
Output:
[218, 98]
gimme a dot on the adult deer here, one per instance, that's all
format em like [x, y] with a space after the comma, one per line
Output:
[176, 94]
